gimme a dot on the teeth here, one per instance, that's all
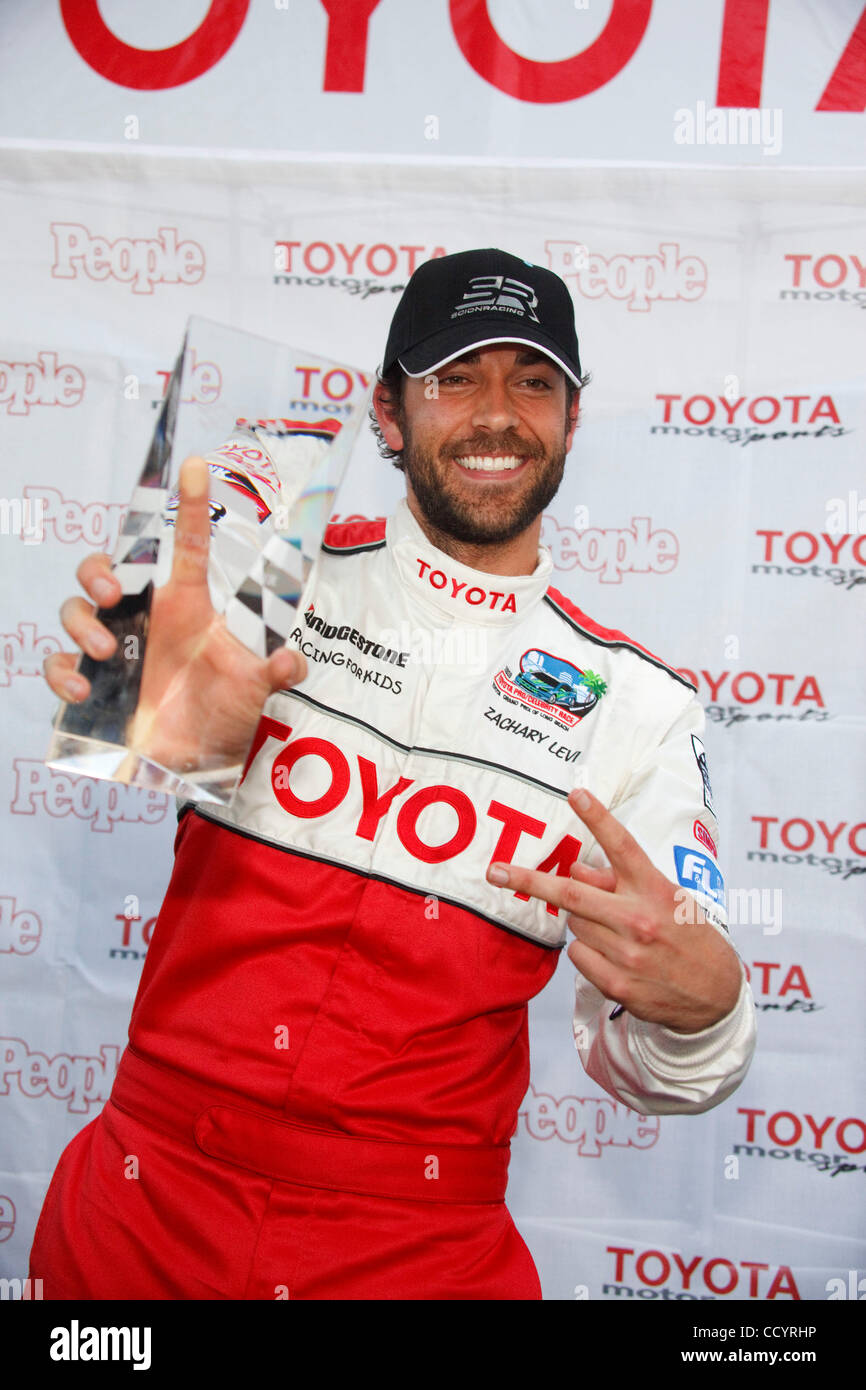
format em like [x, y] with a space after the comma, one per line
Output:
[487, 464]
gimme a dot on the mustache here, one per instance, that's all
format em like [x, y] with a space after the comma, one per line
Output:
[506, 443]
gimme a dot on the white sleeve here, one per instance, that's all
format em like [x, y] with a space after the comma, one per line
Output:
[649, 1067]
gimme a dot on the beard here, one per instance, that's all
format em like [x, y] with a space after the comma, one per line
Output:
[475, 520]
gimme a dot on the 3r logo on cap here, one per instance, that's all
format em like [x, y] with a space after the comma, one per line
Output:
[454, 305]
[498, 292]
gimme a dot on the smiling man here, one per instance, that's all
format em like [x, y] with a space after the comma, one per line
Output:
[329, 1043]
[486, 439]
[480, 492]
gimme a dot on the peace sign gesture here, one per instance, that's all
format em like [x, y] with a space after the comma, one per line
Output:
[629, 942]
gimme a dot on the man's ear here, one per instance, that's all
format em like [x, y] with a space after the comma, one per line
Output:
[387, 409]
[572, 420]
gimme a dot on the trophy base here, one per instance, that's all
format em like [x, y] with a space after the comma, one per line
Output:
[93, 757]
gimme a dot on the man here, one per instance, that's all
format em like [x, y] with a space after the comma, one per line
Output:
[329, 1042]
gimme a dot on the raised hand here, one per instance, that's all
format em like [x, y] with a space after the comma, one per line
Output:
[202, 691]
[630, 939]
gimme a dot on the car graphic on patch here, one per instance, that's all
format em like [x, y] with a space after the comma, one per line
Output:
[558, 683]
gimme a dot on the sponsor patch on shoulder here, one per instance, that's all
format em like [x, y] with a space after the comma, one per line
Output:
[698, 873]
[701, 758]
[703, 836]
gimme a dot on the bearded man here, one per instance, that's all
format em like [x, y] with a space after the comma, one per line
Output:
[329, 1043]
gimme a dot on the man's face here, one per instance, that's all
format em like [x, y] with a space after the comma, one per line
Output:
[484, 442]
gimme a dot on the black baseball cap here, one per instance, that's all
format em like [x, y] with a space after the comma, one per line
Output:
[455, 304]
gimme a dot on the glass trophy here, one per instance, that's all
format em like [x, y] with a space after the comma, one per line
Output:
[276, 426]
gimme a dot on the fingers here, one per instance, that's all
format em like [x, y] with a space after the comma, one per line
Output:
[609, 962]
[64, 680]
[78, 619]
[96, 578]
[621, 950]
[285, 669]
[564, 892]
[623, 851]
[596, 968]
[597, 878]
[192, 527]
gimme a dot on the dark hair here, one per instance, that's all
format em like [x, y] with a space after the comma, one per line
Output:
[394, 382]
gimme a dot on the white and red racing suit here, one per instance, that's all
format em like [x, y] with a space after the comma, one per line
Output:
[329, 1043]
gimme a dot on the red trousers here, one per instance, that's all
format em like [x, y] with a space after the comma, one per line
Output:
[179, 1191]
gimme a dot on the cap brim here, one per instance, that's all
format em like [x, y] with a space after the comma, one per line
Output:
[437, 351]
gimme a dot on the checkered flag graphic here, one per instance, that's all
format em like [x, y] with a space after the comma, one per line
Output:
[264, 610]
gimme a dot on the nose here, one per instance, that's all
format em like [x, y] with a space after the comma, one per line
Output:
[493, 408]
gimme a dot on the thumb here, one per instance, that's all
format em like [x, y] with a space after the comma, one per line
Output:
[192, 526]
[285, 668]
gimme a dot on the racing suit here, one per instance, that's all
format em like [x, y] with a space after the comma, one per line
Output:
[329, 1043]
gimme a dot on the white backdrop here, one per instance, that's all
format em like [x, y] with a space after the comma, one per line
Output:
[714, 508]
